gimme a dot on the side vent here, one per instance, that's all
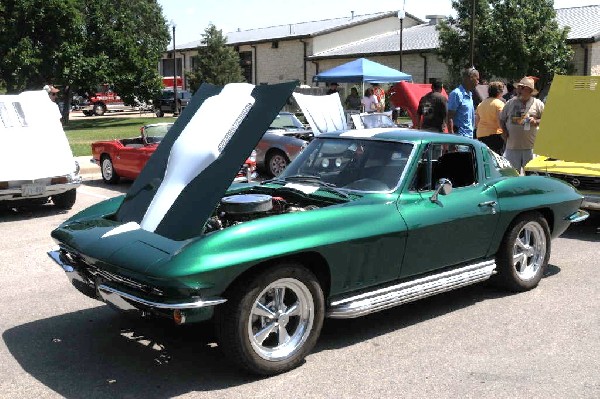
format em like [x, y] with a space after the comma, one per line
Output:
[587, 84]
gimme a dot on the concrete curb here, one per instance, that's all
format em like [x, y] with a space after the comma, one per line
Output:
[86, 166]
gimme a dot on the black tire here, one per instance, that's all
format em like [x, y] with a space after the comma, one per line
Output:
[109, 175]
[524, 253]
[99, 109]
[159, 113]
[65, 200]
[239, 321]
[88, 113]
[276, 162]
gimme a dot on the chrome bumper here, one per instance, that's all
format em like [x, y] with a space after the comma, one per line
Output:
[10, 194]
[591, 201]
[119, 299]
[578, 216]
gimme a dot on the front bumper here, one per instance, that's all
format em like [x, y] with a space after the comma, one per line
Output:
[591, 201]
[90, 282]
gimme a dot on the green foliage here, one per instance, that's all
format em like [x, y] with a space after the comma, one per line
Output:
[76, 44]
[215, 63]
[513, 38]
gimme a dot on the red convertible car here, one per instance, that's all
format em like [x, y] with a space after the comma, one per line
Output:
[127, 157]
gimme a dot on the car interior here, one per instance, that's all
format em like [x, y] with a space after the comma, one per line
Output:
[455, 164]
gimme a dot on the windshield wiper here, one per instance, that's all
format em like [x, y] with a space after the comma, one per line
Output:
[332, 188]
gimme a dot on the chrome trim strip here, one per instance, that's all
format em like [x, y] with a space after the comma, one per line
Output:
[409, 291]
[106, 291]
[578, 216]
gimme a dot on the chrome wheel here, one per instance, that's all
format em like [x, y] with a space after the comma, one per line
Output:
[529, 250]
[277, 163]
[107, 169]
[281, 319]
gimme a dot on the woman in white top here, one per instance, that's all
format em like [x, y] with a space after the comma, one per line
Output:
[369, 101]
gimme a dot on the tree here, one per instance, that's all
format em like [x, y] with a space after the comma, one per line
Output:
[513, 38]
[77, 44]
[215, 63]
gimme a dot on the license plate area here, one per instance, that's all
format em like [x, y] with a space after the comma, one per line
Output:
[30, 190]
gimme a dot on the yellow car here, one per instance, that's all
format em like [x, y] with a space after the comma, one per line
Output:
[569, 130]
[585, 177]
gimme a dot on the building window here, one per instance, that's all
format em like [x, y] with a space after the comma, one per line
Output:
[275, 44]
[167, 67]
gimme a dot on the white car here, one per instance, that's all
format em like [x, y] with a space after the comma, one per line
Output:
[36, 162]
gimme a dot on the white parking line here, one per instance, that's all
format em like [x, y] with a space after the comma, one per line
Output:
[83, 191]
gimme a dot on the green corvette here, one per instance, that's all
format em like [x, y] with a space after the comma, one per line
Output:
[360, 221]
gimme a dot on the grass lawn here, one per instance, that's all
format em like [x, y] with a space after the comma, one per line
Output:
[81, 132]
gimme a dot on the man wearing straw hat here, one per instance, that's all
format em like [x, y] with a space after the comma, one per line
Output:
[520, 120]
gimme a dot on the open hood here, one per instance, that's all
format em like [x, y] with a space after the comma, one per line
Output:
[34, 145]
[324, 114]
[194, 164]
[569, 126]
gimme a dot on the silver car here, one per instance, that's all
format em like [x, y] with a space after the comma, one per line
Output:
[281, 144]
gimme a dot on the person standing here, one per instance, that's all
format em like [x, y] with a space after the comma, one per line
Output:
[380, 94]
[353, 100]
[520, 120]
[510, 91]
[333, 88]
[369, 101]
[461, 113]
[432, 110]
[487, 118]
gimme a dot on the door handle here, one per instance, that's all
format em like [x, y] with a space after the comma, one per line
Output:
[488, 203]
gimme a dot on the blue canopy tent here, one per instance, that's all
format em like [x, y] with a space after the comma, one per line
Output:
[362, 70]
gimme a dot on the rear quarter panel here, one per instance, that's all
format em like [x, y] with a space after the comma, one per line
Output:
[553, 198]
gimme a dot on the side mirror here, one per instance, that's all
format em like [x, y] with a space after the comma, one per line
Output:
[444, 187]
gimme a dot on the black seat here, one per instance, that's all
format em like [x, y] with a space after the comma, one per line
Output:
[458, 167]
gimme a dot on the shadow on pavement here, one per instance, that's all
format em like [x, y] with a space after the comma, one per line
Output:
[29, 212]
[100, 353]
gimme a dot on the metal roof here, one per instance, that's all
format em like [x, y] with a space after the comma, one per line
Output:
[584, 24]
[583, 21]
[301, 29]
[416, 38]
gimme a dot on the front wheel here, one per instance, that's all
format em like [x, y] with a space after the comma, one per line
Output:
[109, 175]
[99, 109]
[524, 253]
[271, 321]
[276, 163]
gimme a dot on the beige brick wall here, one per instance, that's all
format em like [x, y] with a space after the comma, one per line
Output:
[594, 57]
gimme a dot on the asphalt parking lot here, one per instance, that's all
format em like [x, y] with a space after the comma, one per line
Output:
[473, 342]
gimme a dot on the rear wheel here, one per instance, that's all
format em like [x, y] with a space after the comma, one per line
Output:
[65, 200]
[271, 321]
[99, 109]
[276, 163]
[109, 175]
[524, 252]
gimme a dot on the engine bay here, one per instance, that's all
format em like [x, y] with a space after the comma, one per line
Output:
[240, 208]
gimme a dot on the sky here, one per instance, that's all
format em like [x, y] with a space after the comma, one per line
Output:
[192, 17]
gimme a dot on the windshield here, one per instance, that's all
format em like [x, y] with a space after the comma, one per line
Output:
[371, 121]
[155, 133]
[283, 121]
[353, 164]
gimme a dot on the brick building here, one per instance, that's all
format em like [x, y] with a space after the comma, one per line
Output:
[300, 51]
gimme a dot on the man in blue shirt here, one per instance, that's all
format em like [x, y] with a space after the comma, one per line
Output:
[461, 113]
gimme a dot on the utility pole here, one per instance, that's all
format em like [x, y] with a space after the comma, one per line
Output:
[401, 15]
[175, 108]
[472, 38]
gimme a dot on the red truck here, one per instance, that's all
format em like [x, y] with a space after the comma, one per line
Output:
[106, 100]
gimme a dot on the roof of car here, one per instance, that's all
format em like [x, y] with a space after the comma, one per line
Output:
[399, 134]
